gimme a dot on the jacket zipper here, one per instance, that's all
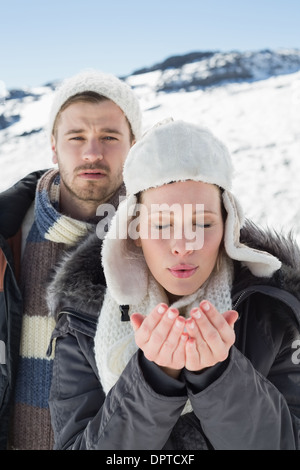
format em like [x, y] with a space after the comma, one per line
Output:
[238, 300]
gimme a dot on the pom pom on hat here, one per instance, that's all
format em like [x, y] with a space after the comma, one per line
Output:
[104, 84]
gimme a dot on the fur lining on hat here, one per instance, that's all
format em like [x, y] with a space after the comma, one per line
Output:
[124, 266]
[260, 263]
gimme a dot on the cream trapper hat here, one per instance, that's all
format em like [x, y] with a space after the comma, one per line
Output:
[173, 151]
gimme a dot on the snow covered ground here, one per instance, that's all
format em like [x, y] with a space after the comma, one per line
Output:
[259, 120]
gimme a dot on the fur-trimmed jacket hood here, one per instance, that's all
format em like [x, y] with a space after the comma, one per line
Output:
[78, 281]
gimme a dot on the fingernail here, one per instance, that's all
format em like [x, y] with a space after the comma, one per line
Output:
[191, 324]
[194, 310]
[178, 323]
[184, 336]
[196, 314]
[172, 313]
[205, 306]
[161, 309]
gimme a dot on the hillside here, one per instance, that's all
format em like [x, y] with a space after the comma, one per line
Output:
[250, 100]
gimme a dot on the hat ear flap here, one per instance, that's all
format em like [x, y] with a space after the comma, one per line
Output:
[260, 263]
[123, 263]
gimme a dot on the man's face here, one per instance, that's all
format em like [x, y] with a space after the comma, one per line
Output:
[90, 147]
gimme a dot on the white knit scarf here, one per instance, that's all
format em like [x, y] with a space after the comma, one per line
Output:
[114, 339]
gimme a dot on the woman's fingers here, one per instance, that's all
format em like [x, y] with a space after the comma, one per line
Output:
[149, 322]
[231, 317]
[173, 348]
[158, 334]
[212, 325]
[193, 359]
[207, 340]
[213, 336]
[136, 320]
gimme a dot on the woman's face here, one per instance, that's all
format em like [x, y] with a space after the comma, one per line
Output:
[180, 232]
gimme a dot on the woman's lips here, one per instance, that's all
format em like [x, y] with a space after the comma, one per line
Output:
[183, 271]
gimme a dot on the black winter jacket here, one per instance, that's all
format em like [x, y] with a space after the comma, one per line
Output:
[14, 204]
[250, 401]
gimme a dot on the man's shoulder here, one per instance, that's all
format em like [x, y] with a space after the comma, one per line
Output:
[15, 202]
[23, 185]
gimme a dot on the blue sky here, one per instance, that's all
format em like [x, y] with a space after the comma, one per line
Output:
[45, 40]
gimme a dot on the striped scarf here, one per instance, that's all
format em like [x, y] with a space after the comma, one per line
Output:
[50, 234]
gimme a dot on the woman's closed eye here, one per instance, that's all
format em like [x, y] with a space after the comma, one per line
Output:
[202, 225]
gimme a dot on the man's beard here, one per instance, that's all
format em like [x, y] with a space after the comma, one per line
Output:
[94, 191]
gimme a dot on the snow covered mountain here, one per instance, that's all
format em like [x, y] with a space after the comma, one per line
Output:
[250, 100]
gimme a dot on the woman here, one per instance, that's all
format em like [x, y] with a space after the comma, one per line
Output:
[194, 347]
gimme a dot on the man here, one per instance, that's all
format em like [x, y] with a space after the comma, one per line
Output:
[94, 120]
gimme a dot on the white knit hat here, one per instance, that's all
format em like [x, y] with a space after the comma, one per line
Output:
[104, 84]
[174, 151]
